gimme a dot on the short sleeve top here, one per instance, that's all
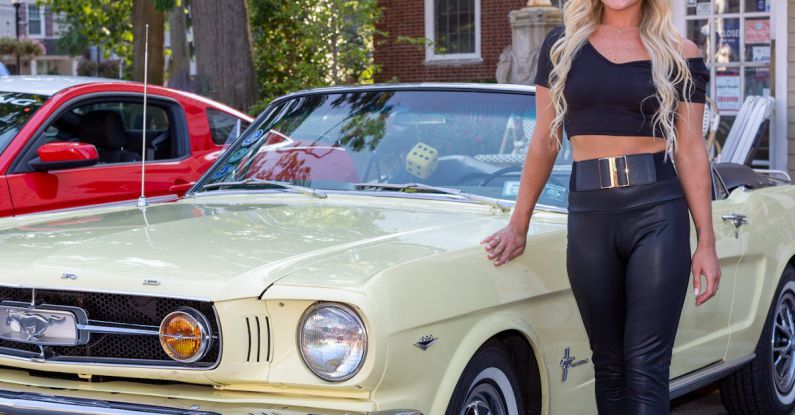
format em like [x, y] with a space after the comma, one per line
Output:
[608, 98]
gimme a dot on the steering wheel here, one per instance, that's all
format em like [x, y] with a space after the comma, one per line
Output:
[510, 169]
[499, 173]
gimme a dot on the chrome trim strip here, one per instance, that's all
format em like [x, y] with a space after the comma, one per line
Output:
[116, 330]
[402, 87]
[133, 364]
[773, 171]
[380, 193]
[23, 403]
[703, 377]
[40, 404]
[89, 290]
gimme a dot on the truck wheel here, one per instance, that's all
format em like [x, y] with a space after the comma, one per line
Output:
[488, 386]
[766, 385]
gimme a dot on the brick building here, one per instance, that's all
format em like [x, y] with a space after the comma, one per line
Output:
[39, 23]
[749, 46]
[443, 40]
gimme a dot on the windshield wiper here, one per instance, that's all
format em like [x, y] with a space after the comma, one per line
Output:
[424, 188]
[254, 182]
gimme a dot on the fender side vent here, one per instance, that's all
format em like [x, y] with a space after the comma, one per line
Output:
[259, 339]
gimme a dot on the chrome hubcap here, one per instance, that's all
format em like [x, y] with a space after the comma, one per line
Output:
[783, 358]
[485, 399]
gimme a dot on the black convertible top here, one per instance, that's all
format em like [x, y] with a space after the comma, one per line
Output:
[735, 175]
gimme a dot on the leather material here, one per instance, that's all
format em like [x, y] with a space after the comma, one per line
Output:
[629, 270]
[666, 187]
[105, 130]
[633, 170]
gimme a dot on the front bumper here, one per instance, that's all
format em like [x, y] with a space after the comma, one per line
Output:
[22, 403]
[28, 403]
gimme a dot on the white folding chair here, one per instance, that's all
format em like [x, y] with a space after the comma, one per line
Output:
[744, 133]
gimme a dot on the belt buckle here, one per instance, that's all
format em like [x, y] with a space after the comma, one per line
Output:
[614, 172]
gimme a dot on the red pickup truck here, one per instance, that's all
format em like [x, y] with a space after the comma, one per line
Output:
[67, 142]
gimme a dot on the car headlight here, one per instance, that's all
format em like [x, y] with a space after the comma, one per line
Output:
[185, 335]
[333, 341]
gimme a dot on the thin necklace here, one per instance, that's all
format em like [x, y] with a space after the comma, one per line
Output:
[620, 29]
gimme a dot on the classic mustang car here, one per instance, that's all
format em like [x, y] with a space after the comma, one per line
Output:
[72, 141]
[329, 263]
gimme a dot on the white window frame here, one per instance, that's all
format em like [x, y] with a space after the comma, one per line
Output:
[430, 35]
[777, 140]
[41, 21]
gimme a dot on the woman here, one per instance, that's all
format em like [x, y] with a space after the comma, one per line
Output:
[630, 92]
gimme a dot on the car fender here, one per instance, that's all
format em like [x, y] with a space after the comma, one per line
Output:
[486, 328]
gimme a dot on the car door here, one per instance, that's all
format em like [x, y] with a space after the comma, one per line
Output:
[6, 208]
[703, 333]
[114, 127]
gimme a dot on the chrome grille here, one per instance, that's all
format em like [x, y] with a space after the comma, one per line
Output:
[112, 311]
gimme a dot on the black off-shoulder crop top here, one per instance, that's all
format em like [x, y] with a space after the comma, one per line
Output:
[608, 98]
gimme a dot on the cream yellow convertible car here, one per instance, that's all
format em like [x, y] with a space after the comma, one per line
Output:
[329, 263]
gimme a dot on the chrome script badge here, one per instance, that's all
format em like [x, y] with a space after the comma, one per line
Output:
[569, 362]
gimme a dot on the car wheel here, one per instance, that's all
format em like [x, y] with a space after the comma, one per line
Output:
[488, 386]
[766, 386]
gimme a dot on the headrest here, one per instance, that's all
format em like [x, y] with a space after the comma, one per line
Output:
[102, 128]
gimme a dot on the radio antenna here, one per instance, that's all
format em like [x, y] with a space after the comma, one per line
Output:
[142, 203]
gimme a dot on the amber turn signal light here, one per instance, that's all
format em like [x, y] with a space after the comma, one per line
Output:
[185, 335]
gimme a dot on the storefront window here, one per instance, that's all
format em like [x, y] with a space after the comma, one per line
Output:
[757, 6]
[757, 81]
[735, 40]
[698, 31]
[727, 33]
[728, 89]
[727, 6]
[757, 39]
[734, 36]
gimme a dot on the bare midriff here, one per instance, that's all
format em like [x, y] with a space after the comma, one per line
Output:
[585, 147]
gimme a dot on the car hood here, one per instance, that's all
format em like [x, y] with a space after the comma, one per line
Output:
[222, 249]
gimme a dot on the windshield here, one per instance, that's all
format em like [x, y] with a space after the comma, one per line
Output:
[15, 110]
[474, 142]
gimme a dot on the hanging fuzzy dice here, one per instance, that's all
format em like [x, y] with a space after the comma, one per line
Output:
[422, 160]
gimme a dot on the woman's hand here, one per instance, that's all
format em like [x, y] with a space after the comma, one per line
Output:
[506, 244]
[705, 262]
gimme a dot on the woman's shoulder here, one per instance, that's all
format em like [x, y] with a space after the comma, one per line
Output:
[690, 50]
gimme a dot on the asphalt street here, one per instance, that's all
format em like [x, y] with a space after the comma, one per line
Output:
[702, 402]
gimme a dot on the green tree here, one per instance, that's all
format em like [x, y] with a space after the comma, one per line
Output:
[95, 22]
[308, 43]
[108, 23]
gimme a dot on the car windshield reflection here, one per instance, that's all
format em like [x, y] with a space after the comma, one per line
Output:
[471, 141]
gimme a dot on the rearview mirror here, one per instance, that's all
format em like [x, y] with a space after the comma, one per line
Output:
[63, 155]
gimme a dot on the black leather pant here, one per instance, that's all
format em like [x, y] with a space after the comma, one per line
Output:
[629, 270]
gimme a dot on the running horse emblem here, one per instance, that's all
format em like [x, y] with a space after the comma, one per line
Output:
[30, 324]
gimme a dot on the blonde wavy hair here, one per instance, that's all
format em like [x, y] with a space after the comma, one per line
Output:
[659, 36]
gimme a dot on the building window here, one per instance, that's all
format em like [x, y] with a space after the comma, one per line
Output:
[35, 20]
[452, 28]
[735, 40]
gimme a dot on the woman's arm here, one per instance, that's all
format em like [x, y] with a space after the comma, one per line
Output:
[509, 242]
[694, 173]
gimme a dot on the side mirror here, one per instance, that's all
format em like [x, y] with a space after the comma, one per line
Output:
[180, 188]
[63, 155]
